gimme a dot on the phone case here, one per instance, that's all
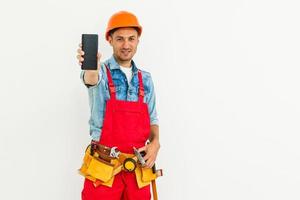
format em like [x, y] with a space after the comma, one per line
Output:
[90, 47]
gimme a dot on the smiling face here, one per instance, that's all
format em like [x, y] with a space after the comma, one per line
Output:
[124, 42]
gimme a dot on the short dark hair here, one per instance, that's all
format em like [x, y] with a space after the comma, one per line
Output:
[111, 32]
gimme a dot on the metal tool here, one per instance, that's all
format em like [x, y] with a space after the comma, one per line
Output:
[114, 152]
[139, 156]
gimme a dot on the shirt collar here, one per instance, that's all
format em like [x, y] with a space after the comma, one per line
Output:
[113, 64]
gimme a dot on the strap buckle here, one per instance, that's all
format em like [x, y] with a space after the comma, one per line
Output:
[142, 92]
[112, 88]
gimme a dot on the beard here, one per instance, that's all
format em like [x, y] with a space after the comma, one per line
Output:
[125, 55]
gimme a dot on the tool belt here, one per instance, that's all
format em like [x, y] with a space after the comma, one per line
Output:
[101, 164]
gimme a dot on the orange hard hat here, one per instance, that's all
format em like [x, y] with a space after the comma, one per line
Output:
[123, 19]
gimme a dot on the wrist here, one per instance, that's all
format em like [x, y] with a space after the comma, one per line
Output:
[155, 142]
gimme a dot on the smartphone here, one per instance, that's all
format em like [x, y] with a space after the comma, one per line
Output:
[90, 47]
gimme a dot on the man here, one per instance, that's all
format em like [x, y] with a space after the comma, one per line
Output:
[119, 84]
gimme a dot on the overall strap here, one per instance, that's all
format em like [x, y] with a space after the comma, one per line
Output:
[111, 86]
[141, 87]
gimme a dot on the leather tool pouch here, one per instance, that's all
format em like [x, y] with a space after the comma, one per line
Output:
[144, 176]
[94, 167]
[148, 175]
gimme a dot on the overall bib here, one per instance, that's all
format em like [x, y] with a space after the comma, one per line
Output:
[126, 125]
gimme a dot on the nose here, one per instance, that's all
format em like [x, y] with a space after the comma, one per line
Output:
[126, 44]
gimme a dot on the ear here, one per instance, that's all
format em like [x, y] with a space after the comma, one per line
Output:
[110, 40]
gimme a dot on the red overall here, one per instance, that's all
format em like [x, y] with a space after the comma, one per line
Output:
[126, 125]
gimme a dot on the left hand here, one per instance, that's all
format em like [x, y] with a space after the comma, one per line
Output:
[151, 150]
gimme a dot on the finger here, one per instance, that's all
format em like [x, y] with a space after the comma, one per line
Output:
[80, 58]
[149, 163]
[98, 65]
[99, 55]
[142, 149]
[147, 156]
[80, 51]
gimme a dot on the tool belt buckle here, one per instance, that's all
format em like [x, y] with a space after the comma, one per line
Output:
[93, 147]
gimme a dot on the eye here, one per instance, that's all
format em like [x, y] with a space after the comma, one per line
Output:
[119, 39]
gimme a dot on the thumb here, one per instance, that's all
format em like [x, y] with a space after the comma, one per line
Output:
[98, 60]
[142, 149]
[99, 56]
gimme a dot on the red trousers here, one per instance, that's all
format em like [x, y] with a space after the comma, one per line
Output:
[123, 188]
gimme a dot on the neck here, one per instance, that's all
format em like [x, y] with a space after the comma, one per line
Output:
[124, 63]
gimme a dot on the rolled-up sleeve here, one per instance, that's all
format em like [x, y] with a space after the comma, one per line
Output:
[87, 85]
[97, 97]
[151, 101]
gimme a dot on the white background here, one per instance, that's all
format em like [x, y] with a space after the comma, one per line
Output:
[226, 75]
